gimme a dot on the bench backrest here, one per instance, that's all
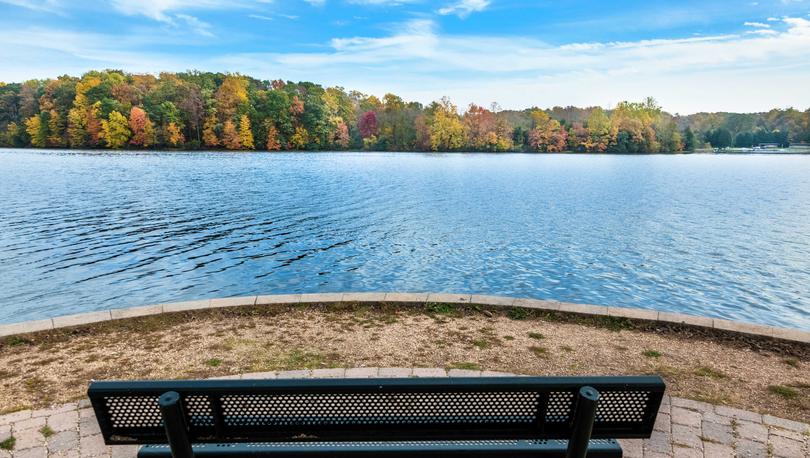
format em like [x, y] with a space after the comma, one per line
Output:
[376, 409]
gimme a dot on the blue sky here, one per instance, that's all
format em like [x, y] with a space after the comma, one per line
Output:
[691, 55]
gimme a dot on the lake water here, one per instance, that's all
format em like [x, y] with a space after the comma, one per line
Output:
[716, 235]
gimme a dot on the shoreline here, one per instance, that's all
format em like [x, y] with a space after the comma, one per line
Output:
[705, 324]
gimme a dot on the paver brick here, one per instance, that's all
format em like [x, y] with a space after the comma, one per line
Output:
[29, 438]
[294, 374]
[632, 448]
[711, 450]
[14, 417]
[93, 446]
[429, 372]
[88, 427]
[786, 448]
[750, 449]
[329, 373]
[679, 451]
[63, 421]
[785, 424]
[721, 434]
[362, 372]
[63, 441]
[687, 436]
[739, 414]
[36, 452]
[31, 423]
[701, 407]
[395, 372]
[463, 373]
[659, 442]
[686, 417]
[753, 431]
[663, 422]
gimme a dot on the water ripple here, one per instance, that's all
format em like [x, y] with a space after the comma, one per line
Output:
[724, 236]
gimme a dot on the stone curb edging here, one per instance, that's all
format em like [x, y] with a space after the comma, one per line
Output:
[684, 428]
[791, 335]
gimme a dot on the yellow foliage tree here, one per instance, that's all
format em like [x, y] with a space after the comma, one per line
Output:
[33, 126]
[245, 134]
[115, 130]
[300, 138]
[446, 128]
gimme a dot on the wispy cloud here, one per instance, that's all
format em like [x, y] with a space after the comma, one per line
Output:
[464, 8]
[49, 6]
[757, 25]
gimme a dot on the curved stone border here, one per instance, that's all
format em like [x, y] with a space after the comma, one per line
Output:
[684, 428]
[792, 335]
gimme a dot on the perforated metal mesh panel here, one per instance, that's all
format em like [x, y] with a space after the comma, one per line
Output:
[376, 408]
[134, 411]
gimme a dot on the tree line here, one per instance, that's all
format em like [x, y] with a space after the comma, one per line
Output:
[202, 110]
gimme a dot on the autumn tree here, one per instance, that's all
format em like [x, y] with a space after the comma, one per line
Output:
[245, 134]
[273, 143]
[600, 131]
[209, 134]
[547, 135]
[37, 130]
[115, 130]
[231, 94]
[174, 134]
[446, 128]
[230, 136]
[367, 124]
[143, 131]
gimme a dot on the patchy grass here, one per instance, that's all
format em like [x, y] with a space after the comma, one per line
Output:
[8, 444]
[651, 353]
[14, 341]
[706, 371]
[539, 351]
[46, 431]
[518, 313]
[783, 391]
[213, 362]
[440, 308]
[483, 344]
[792, 362]
[467, 366]
[536, 335]
[566, 348]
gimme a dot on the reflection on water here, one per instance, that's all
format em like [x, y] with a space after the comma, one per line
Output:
[725, 236]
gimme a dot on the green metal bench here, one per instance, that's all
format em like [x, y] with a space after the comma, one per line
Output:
[406, 417]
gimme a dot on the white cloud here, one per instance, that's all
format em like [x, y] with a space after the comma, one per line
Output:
[748, 71]
[757, 25]
[464, 8]
[195, 25]
[50, 6]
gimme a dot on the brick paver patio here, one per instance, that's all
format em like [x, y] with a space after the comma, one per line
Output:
[685, 428]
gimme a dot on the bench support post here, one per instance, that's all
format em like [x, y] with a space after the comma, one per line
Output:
[176, 434]
[584, 416]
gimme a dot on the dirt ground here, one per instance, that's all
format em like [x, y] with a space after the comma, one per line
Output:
[44, 368]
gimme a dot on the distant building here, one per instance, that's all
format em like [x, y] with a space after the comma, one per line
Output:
[768, 146]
